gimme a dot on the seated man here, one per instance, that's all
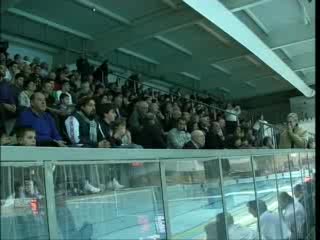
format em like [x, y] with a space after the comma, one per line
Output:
[197, 140]
[293, 136]
[178, 137]
[41, 121]
[82, 127]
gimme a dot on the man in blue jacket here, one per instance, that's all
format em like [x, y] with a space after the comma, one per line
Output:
[41, 121]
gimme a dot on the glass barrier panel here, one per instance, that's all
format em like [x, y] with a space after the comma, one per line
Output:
[23, 203]
[194, 197]
[109, 201]
[238, 190]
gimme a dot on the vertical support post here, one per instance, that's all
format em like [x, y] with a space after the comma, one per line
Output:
[222, 197]
[50, 200]
[256, 195]
[277, 186]
[294, 209]
[165, 199]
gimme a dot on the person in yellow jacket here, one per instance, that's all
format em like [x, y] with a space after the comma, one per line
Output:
[293, 136]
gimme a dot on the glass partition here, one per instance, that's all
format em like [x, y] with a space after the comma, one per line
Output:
[109, 201]
[213, 195]
[23, 202]
[194, 198]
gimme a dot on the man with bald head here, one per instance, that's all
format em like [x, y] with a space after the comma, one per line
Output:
[293, 136]
[198, 140]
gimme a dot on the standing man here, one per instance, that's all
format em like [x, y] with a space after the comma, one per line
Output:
[293, 136]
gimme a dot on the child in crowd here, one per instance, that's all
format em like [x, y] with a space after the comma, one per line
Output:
[26, 137]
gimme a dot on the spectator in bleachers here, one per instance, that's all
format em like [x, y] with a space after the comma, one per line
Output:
[29, 87]
[64, 104]
[154, 108]
[150, 135]
[198, 140]
[26, 136]
[26, 60]
[215, 138]
[36, 60]
[26, 70]
[44, 70]
[41, 121]
[13, 68]
[83, 128]
[101, 73]
[85, 90]
[136, 118]
[192, 126]
[293, 136]
[107, 116]
[222, 123]
[17, 87]
[8, 107]
[18, 59]
[65, 88]
[178, 137]
[118, 101]
[176, 114]
[232, 114]
[204, 124]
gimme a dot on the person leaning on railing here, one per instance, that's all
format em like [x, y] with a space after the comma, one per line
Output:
[293, 136]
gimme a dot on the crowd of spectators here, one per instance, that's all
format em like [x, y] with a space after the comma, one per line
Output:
[79, 108]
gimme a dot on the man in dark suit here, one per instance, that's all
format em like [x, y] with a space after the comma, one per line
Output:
[197, 140]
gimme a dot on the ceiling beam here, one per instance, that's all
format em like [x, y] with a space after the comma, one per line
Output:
[52, 24]
[220, 68]
[173, 45]
[170, 3]
[236, 6]
[214, 33]
[6, 4]
[104, 11]
[219, 15]
[257, 21]
[305, 14]
[138, 55]
[172, 20]
[189, 75]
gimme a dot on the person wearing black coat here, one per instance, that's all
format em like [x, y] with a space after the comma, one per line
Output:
[215, 138]
[151, 135]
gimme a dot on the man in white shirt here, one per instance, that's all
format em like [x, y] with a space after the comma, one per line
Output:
[272, 227]
[294, 214]
[178, 136]
[231, 115]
